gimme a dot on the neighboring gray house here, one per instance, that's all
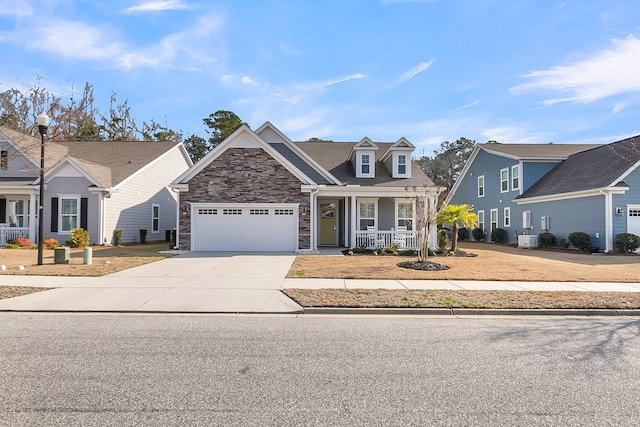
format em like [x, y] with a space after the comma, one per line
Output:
[260, 191]
[97, 185]
[530, 188]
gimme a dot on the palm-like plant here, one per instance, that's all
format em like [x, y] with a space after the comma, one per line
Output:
[457, 215]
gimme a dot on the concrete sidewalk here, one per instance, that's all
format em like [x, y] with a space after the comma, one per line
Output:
[225, 283]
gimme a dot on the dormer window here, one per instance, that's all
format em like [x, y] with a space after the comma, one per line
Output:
[402, 164]
[365, 165]
[397, 158]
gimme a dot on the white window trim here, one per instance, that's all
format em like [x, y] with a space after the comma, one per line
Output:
[372, 165]
[506, 217]
[24, 214]
[514, 176]
[375, 212]
[396, 166]
[481, 177]
[491, 221]
[481, 221]
[502, 181]
[413, 212]
[154, 218]
[60, 198]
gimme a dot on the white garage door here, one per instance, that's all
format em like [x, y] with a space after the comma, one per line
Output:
[244, 227]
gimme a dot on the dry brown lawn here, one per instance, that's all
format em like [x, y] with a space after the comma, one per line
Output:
[493, 262]
[106, 260]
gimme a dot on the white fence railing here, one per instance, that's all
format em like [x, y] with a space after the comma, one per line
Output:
[9, 233]
[379, 239]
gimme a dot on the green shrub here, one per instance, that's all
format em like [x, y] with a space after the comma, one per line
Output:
[11, 246]
[463, 233]
[359, 249]
[580, 240]
[117, 237]
[627, 242]
[79, 238]
[498, 235]
[443, 235]
[546, 240]
[478, 234]
[391, 250]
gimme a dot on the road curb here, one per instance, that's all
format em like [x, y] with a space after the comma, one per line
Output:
[470, 311]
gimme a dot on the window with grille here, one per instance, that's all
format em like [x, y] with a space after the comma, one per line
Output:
[203, 211]
[232, 211]
[283, 211]
[259, 212]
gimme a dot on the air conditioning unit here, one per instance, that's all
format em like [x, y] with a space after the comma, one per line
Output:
[527, 241]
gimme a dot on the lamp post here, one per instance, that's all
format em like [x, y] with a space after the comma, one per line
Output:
[43, 124]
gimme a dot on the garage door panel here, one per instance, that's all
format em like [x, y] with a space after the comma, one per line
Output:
[242, 228]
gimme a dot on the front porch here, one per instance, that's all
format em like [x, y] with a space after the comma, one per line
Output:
[380, 239]
[9, 233]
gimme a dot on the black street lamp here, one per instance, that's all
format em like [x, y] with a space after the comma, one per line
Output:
[43, 125]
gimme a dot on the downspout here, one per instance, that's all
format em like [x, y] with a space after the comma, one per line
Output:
[177, 245]
[313, 219]
[608, 221]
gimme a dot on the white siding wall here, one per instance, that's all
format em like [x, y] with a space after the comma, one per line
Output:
[130, 208]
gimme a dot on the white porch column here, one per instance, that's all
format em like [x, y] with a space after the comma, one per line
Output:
[313, 219]
[33, 208]
[347, 235]
[608, 222]
[353, 225]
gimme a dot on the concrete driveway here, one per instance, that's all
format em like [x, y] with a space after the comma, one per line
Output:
[199, 282]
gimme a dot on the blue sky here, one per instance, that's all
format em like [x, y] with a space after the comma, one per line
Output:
[433, 70]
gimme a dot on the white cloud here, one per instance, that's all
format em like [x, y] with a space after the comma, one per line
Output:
[469, 105]
[19, 8]
[327, 83]
[511, 134]
[158, 6]
[603, 74]
[70, 39]
[414, 71]
[246, 80]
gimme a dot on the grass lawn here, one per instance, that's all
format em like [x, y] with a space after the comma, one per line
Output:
[493, 262]
[106, 260]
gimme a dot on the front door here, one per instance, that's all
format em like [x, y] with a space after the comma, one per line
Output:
[328, 224]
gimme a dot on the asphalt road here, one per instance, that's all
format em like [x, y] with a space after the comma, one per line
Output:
[108, 370]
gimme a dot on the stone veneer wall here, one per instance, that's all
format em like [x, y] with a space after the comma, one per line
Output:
[245, 175]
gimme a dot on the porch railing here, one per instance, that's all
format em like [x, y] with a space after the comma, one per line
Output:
[379, 239]
[9, 233]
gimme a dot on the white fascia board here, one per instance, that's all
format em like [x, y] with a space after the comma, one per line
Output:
[24, 154]
[334, 191]
[227, 143]
[315, 165]
[524, 158]
[626, 173]
[180, 187]
[466, 168]
[572, 195]
[20, 189]
[157, 159]
[51, 172]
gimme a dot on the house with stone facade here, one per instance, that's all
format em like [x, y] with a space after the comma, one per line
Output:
[260, 191]
[100, 186]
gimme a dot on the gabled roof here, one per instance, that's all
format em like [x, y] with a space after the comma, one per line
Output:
[106, 162]
[521, 152]
[334, 157]
[243, 137]
[598, 168]
[402, 144]
[536, 151]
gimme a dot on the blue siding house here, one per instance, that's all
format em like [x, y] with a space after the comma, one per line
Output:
[527, 189]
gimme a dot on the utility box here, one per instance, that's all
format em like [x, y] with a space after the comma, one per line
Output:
[87, 256]
[544, 223]
[61, 255]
